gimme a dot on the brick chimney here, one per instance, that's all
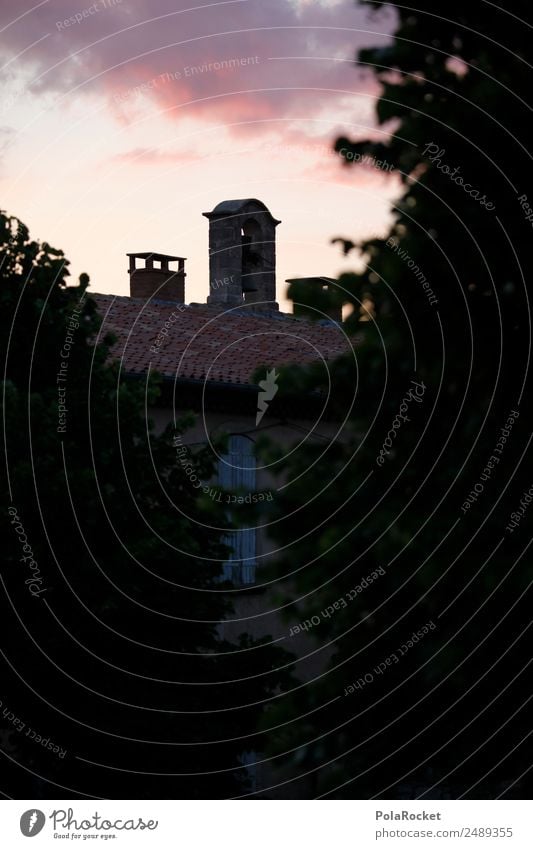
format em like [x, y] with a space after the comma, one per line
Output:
[155, 279]
[321, 287]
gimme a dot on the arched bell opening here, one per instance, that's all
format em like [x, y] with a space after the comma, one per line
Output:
[251, 255]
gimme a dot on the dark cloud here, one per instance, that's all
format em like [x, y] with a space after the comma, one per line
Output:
[236, 62]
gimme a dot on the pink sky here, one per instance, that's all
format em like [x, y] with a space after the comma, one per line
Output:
[121, 122]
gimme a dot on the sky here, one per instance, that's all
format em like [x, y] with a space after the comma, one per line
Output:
[122, 121]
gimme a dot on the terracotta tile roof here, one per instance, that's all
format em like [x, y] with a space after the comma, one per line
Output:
[204, 342]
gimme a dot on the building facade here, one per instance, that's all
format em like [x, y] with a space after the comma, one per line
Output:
[221, 360]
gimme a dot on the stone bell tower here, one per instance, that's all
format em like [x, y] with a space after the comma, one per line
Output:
[242, 254]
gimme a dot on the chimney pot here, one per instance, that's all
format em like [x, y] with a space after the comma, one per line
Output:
[162, 283]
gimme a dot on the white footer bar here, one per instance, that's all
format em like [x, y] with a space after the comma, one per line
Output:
[268, 824]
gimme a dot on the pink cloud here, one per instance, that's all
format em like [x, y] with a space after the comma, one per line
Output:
[229, 62]
[154, 156]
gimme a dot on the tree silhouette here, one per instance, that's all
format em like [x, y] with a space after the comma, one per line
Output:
[115, 681]
[431, 480]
